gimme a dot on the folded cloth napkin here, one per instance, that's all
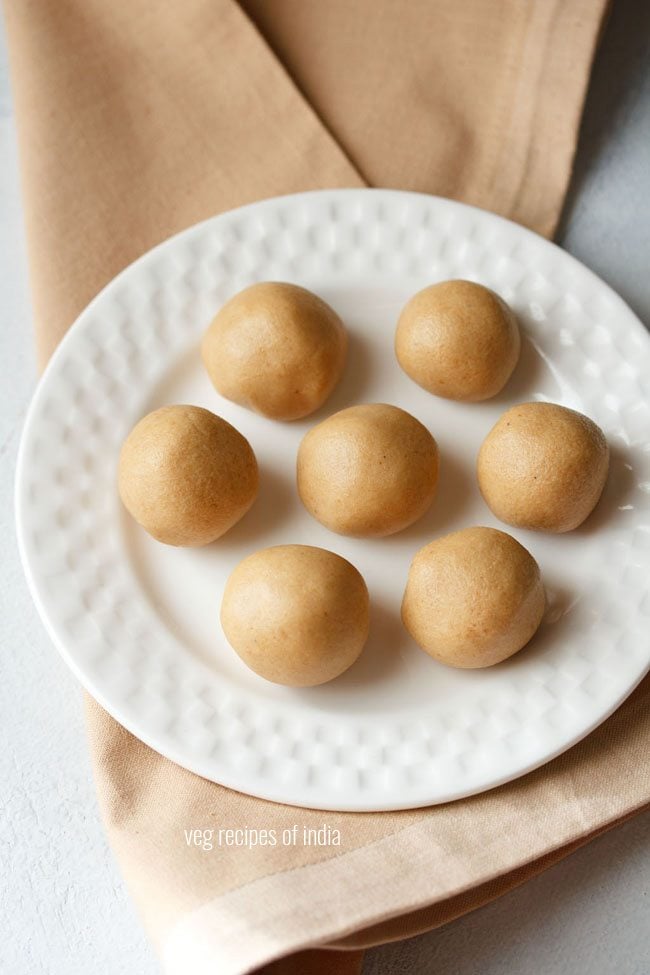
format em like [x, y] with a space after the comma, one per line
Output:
[137, 119]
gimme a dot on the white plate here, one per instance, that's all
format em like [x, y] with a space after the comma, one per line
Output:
[138, 622]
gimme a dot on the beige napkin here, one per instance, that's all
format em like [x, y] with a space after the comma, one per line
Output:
[138, 118]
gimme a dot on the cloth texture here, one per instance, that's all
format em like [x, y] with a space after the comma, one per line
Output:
[137, 119]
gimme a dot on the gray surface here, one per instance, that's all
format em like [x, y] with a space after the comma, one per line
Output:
[64, 908]
[607, 214]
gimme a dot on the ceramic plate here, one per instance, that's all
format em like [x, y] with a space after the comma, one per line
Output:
[138, 622]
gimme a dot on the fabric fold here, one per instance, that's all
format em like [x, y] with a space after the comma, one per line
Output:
[479, 101]
[135, 121]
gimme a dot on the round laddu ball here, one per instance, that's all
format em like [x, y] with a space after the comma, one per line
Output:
[543, 466]
[473, 598]
[277, 349]
[459, 340]
[296, 614]
[368, 471]
[186, 475]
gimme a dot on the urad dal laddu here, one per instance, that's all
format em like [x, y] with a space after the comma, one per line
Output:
[186, 475]
[473, 598]
[277, 349]
[368, 471]
[459, 340]
[296, 614]
[543, 466]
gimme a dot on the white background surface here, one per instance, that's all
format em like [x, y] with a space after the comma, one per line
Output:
[64, 910]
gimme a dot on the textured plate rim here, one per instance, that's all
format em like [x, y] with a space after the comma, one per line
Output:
[284, 795]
